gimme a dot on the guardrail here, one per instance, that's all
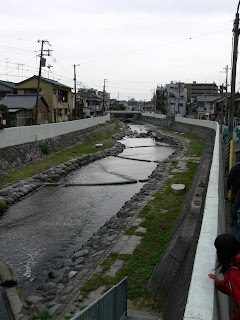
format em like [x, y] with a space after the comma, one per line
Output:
[112, 305]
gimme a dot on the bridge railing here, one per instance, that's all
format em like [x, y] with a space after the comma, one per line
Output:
[110, 306]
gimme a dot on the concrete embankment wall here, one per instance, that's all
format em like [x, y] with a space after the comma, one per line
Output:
[20, 135]
[180, 278]
[57, 136]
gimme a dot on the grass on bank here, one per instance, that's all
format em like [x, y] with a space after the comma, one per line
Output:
[195, 145]
[160, 214]
[58, 158]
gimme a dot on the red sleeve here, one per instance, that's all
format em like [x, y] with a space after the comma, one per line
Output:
[234, 276]
[223, 286]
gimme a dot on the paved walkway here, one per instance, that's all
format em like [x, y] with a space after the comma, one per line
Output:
[142, 315]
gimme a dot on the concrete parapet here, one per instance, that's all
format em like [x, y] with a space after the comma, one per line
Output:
[7, 277]
[16, 304]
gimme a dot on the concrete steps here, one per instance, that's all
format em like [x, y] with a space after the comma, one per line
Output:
[142, 315]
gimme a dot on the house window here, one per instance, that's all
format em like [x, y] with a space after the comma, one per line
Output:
[65, 112]
[59, 111]
[62, 95]
[30, 91]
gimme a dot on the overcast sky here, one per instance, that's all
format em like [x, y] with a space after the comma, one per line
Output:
[134, 44]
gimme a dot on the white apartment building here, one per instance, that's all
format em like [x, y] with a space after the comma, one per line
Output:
[176, 98]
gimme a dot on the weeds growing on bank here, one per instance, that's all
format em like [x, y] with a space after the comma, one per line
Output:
[58, 158]
[159, 214]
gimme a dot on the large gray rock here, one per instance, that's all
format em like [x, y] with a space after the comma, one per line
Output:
[34, 299]
[81, 253]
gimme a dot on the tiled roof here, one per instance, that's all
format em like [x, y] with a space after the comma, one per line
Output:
[19, 101]
[85, 94]
[8, 84]
[54, 82]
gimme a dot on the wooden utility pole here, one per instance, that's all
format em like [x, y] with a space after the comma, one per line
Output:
[39, 74]
[234, 67]
[75, 89]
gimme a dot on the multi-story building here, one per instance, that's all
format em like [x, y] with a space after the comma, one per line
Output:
[196, 89]
[161, 99]
[90, 101]
[176, 98]
[57, 95]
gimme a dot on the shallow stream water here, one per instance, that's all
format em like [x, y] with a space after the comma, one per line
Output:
[39, 232]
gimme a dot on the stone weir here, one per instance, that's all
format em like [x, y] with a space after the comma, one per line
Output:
[64, 283]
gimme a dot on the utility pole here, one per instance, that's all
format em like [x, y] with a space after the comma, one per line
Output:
[226, 88]
[42, 64]
[221, 91]
[75, 89]
[233, 78]
[178, 94]
[104, 84]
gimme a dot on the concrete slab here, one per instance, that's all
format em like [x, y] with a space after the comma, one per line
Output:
[141, 229]
[121, 243]
[131, 245]
[126, 244]
[142, 315]
[114, 268]
[137, 221]
[93, 296]
[15, 302]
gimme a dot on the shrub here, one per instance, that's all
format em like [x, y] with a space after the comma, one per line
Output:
[43, 315]
[3, 207]
[44, 148]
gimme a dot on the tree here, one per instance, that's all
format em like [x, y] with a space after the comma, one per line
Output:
[120, 107]
[3, 108]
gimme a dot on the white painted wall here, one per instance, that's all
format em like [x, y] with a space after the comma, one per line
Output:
[154, 115]
[204, 301]
[19, 135]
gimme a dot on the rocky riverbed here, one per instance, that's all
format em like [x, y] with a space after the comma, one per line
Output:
[63, 283]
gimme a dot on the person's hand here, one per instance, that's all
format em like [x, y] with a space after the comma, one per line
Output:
[214, 277]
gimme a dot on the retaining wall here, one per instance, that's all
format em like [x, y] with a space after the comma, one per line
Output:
[20, 135]
[19, 155]
[192, 293]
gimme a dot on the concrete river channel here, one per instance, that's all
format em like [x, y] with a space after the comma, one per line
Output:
[44, 228]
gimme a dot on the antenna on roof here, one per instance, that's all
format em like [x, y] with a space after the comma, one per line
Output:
[48, 66]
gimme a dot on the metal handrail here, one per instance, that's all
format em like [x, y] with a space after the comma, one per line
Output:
[112, 305]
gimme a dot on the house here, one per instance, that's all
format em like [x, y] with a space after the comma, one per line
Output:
[22, 108]
[7, 87]
[206, 104]
[57, 96]
[90, 102]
